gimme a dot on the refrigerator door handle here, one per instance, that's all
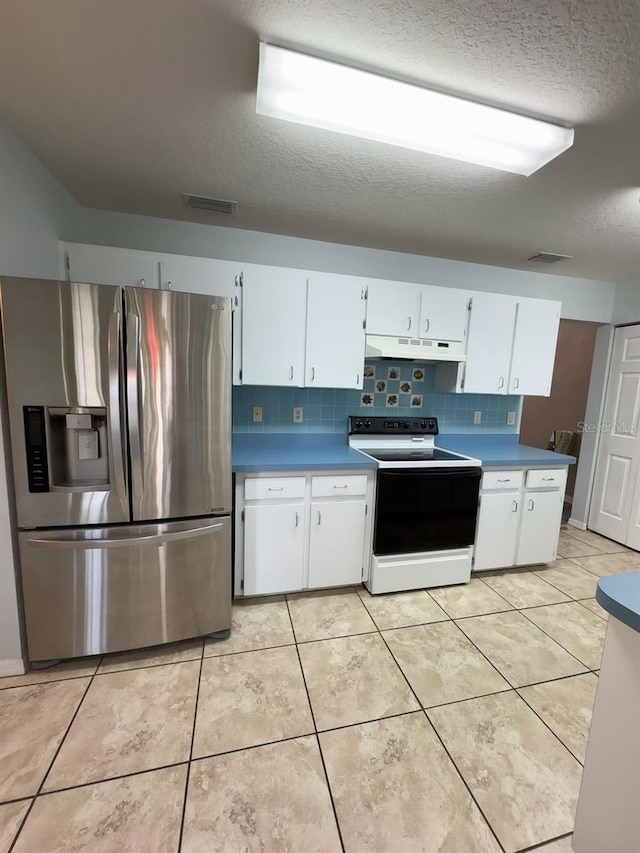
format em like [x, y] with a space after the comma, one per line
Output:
[133, 393]
[115, 419]
[155, 539]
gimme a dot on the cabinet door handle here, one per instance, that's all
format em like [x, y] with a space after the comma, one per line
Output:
[141, 282]
[548, 479]
[516, 383]
[319, 519]
[358, 379]
[291, 372]
[275, 488]
[409, 326]
[501, 382]
[313, 373]
[426, 328]
[297, 519]
[507, 480]
[168, 285]
[346, 486]
[514, 507]
[531, 505]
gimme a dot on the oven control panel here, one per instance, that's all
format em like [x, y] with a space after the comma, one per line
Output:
[362, 425]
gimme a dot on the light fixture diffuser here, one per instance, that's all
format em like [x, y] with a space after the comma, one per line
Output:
[306, 90]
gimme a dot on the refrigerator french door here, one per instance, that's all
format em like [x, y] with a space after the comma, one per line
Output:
[120, 421]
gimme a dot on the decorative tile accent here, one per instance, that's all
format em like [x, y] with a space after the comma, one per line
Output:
[393, 372]
[416, 401]
[392, 400]
[381, 386]
[405, 387]
[366, 399]
[418, 374]
[369, 371]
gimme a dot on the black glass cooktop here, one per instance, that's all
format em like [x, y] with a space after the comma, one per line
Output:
[409, 455]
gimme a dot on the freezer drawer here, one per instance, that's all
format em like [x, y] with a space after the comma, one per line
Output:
[109, 589]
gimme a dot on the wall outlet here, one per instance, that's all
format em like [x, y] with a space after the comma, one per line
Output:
[298, 414]
[511, 418]
[477, 417]
[257, 414]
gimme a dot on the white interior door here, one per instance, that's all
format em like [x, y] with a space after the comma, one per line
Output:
[614, 501]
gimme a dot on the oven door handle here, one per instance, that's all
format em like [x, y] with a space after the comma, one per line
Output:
[431, 472]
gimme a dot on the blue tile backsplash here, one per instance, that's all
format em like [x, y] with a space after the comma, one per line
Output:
[389, 389]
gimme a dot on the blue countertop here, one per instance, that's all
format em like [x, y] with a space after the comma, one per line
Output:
[619, 595]
[253, 452]
[500, 450]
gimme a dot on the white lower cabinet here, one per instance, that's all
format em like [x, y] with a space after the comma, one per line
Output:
[541, 520]
[336, 542]
[497, 532]
[519, 518]
[302, 531]
[273, 547]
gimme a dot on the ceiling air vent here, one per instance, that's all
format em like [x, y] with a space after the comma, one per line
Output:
[211, 205]
[549, 258]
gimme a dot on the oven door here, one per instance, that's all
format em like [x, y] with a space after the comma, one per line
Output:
[426, 509]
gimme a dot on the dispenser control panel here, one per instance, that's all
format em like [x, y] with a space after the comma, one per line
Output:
[36, 445]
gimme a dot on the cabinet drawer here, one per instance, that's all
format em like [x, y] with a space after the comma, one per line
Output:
[273, 488]
[501, 480]
[335, 487]
[546, 478]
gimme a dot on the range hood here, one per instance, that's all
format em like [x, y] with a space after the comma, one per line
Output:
[413, 349]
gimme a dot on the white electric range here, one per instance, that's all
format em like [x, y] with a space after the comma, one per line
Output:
[426, 504]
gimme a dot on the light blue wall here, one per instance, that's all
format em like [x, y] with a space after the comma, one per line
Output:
[327, 410]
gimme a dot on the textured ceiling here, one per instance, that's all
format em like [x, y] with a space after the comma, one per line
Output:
[132, 102]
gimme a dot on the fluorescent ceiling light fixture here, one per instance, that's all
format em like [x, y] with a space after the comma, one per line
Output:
[306, 90]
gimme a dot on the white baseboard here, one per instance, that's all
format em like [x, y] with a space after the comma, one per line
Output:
[579, 525]
[12, 667]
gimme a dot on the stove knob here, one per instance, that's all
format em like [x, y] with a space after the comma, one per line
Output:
[423, 424]
[367, 424]
[416, 424]
[432, 423]
[358, 425]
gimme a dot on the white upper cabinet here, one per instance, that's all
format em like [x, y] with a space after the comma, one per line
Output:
[534, 346]
[274, 303]
[106, 265]
[336, 307]
[199, 275]
[443, 313]
[489, 343]
[393, 308]
[213, 278]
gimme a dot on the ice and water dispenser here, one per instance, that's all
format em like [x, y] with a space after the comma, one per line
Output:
[67, 449]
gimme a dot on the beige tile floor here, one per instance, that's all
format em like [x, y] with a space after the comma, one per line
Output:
[447, 721]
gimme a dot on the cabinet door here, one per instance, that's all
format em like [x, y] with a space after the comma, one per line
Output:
[335, 331]
[534, 346]
[489, 343]
[336, 546]
[497, 531]
[273, 548]
[199, 275]
[274, 307]
[541, 518]
[107, 265]
[393, 308]
[213, 278]
[443, 313]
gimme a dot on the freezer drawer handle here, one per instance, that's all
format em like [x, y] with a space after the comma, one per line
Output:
[157, 539]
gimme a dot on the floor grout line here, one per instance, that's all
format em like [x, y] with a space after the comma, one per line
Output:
[53, 760]
[317, 736]
[457, 769]
[193, 736]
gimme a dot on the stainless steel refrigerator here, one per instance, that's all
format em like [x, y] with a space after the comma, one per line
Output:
[119, 402]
